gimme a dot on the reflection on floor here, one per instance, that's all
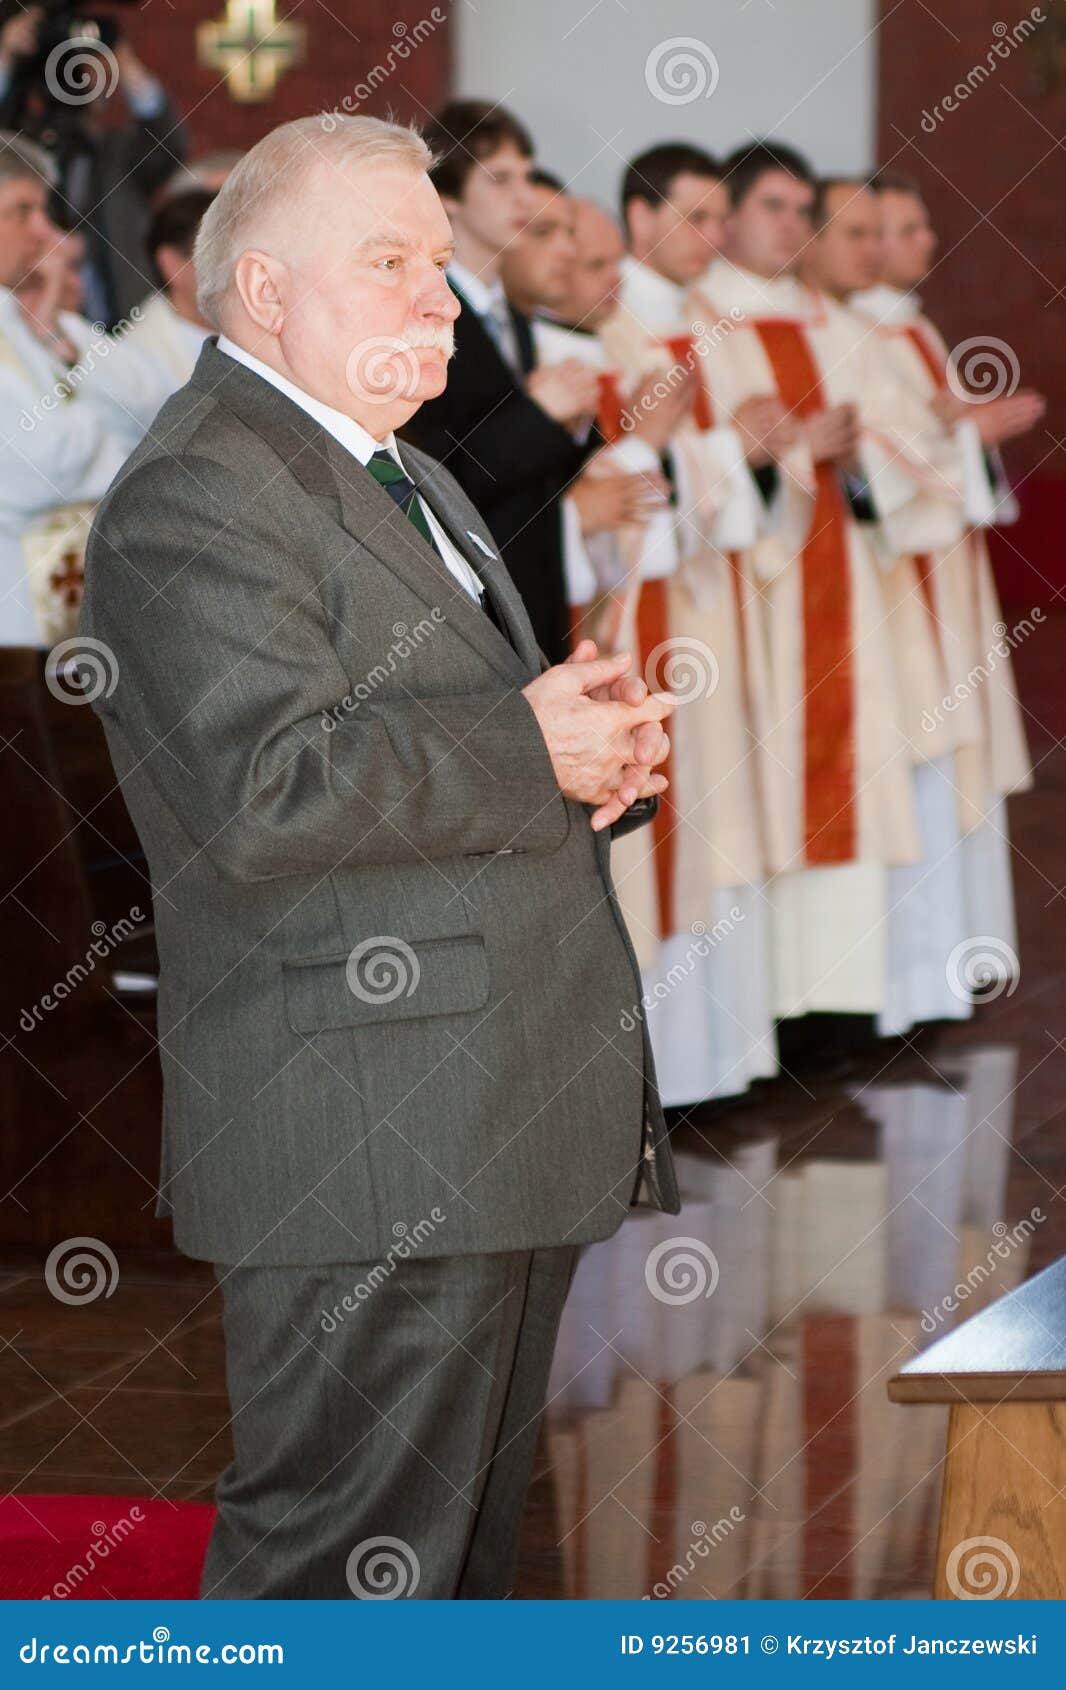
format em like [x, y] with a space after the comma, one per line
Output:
[718, 1424]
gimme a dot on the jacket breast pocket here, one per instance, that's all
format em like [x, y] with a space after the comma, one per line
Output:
[387, 979]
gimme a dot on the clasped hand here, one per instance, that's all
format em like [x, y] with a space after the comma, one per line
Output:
[603, 731]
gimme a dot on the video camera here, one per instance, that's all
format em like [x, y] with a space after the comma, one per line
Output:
[72, 66]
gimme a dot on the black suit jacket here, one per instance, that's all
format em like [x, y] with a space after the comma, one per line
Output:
[512, 461]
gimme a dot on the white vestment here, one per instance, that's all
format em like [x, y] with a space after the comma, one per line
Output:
[842, 807]
[695, 884]
[157, 329]
[978, 700]
[66, 435]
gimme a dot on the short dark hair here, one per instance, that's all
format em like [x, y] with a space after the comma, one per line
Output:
[546, 179]
[465, 132]
[175, 224]
[748, 164]
[652, 174]
[824, 187]
[894, 182]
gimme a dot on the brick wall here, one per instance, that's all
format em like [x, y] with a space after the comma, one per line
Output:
[353, 51]
[994, 172]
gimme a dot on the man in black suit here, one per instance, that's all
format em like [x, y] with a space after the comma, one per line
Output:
[512, 435]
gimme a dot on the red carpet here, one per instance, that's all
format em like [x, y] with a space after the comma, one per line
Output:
[96, 1547]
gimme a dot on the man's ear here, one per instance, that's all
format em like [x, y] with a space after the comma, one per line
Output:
[262, 282]
[640, 224]
[170, 263]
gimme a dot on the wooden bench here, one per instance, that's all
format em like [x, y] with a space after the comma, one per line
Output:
[1003, 1504]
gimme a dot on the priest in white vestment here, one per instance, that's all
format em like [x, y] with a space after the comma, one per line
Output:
[695, 624]
[73, 404]
[927, 921]
[168, 325]
[846, 812]
[993, 759]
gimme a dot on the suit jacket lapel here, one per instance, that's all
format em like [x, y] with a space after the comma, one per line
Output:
[372, 518]
[326, 470]
[490, 569]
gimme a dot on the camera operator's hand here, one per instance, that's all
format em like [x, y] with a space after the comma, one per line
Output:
[18, 38]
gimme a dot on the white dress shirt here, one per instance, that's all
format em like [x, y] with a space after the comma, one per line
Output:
[489, 301]
[362, 446]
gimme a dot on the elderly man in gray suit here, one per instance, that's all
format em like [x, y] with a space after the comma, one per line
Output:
[406, 1074]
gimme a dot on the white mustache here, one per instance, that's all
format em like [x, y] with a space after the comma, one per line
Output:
[422, 334]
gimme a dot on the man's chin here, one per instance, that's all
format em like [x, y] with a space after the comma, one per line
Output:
[432, 374]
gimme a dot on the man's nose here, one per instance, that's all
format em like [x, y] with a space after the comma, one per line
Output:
[439, 300]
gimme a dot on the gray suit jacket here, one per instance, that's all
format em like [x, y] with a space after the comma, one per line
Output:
[397, 998]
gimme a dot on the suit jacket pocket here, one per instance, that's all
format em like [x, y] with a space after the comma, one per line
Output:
[386, 978]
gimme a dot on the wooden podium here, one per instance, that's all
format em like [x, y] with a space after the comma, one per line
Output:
[1003, 1505]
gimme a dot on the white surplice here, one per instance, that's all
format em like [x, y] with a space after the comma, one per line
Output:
[830, 894]
[695, 884]
[990, 758]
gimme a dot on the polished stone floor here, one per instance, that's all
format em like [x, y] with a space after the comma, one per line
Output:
[718, 1423]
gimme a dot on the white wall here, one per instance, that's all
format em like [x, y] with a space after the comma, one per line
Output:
[576, 72]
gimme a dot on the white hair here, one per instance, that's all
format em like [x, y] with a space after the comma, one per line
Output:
[21, 158]
[275, 170]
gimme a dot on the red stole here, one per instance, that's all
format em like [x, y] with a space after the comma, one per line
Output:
[929, 355]
[830, 803]
[653, 631]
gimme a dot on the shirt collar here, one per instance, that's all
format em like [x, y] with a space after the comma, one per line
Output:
[344, 429]
[482, 296]
[888, 304]
[654, 299]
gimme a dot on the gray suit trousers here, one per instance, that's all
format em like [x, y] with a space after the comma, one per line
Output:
[385, 1420]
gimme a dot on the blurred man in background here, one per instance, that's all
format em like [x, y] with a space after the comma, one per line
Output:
[514, 436]
[168, 324]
